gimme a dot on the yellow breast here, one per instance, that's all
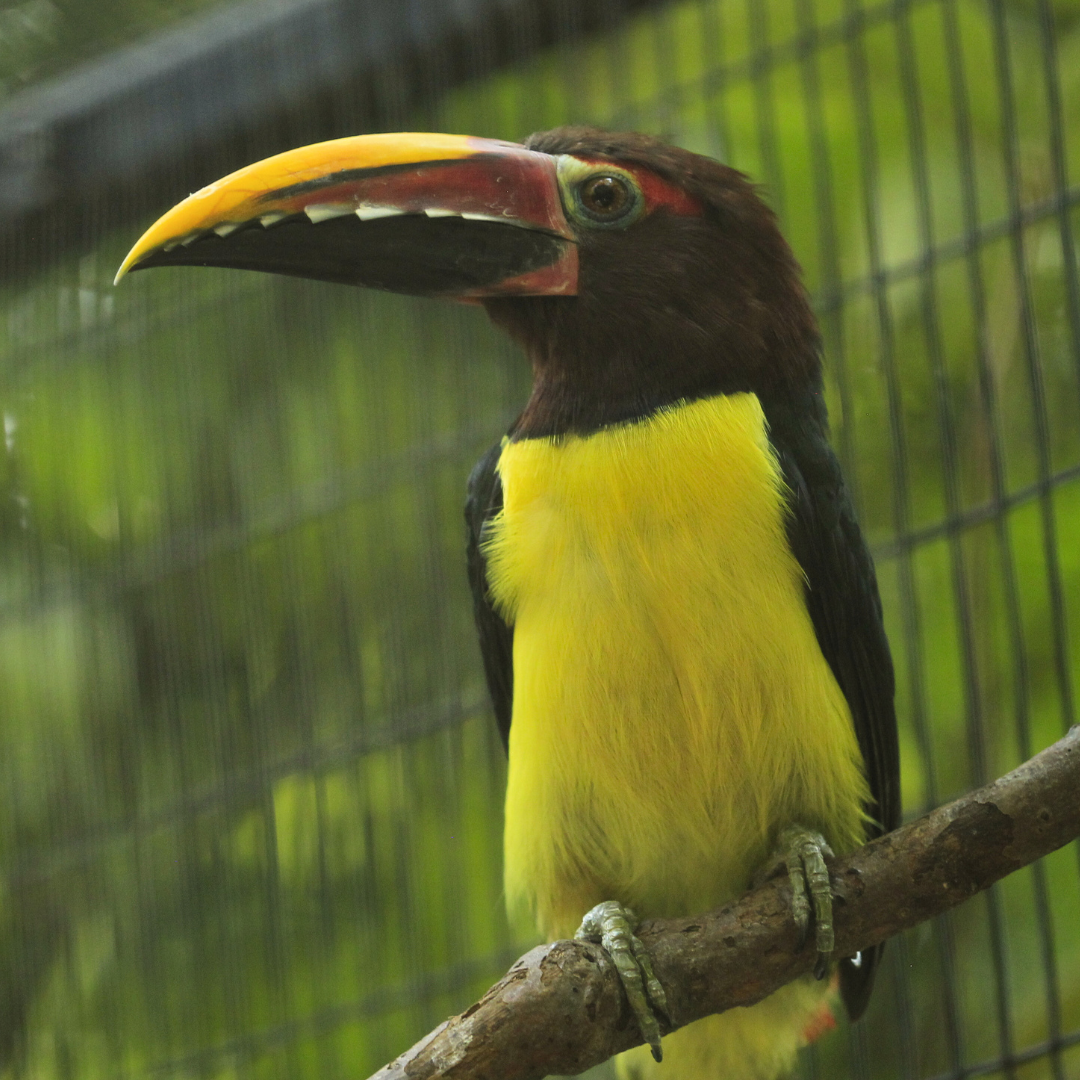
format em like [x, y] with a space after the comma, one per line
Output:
[672, 709]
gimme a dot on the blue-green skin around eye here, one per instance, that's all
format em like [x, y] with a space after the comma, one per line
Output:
[575, 174]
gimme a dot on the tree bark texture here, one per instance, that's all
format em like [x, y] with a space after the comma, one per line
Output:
[561, 1009]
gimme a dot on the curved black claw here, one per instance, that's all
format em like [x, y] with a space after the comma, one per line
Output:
[612, 926]
[804, 854]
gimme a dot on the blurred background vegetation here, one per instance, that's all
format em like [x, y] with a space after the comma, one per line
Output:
[39, 38]
[250, 790]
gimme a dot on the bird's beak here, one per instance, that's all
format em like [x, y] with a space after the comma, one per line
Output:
[432, 215]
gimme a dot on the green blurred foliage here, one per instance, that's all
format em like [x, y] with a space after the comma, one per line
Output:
[40, 38]
[250, 790]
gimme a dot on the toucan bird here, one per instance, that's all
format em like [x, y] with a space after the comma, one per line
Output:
[678, 615]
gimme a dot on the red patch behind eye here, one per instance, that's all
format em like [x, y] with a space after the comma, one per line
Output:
[659, 192]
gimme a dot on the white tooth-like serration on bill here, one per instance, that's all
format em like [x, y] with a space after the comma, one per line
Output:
[493, 217]
[370, 213]
[317, 212]
[323, 212]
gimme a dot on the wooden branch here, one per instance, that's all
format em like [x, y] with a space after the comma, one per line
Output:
[560, 1008]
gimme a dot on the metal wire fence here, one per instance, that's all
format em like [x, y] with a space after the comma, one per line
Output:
[251, 790]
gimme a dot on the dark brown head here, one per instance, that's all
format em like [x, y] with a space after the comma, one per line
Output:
[634, 274]
[694, 293]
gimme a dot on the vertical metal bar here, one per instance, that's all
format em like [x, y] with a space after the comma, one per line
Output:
[460, 935]
[570, 34]
[712, 32]
[900, 493]
[523, 27]
[1033, 366]
[1059, 165]
[910, 607]
[234, 988]
[860, 1056]
[857, 66]
[149, 957]
[1033, 363]
[616, 54]
[1048, 955]
[764, 104]
[932, 330]
[1032, 360]
[828, 230]
[286, 1063]
[977, 295]
[833, 327]
[973, 709]
[329, 1059]
[278, 964]
[184, 827]
[669, 96]
[900, 964]
[401, 832]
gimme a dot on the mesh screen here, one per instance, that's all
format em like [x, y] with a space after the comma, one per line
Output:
[250, 785]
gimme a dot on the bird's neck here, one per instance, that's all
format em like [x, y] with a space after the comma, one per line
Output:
[596, 364]
[581, 394]
[578, 394]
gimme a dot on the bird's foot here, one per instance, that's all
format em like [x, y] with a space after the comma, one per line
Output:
[803, 852]
[612, 926]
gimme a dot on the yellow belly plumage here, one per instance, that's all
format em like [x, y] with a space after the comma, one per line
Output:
[672, 710]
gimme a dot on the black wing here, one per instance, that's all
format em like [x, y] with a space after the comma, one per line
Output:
[842, 598]
[484, 501]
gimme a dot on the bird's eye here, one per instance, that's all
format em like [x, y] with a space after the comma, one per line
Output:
[605, 196]
[598, 194]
